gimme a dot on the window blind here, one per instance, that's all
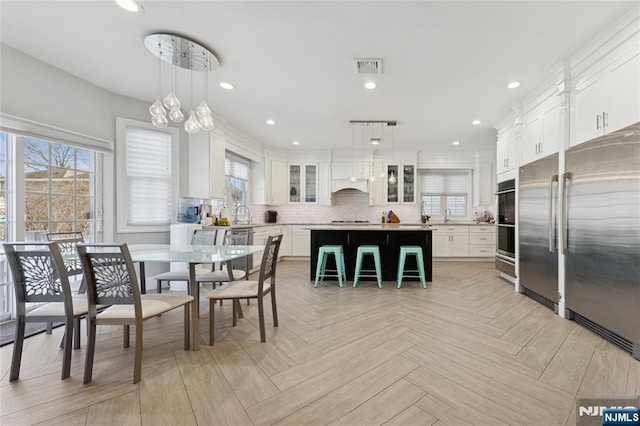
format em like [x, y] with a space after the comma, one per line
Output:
[236, 167]
[149, 183]
[444, 182]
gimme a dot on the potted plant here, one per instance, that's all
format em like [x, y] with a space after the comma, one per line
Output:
[425, 218]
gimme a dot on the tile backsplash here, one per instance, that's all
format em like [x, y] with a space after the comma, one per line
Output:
[348, 204]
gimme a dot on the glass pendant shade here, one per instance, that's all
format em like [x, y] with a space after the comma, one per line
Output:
[160, 121]
[203, 109]
[191, 126]
[157, 108]
[176, 115]
[171, 101]
[206, 122]
[392, 179]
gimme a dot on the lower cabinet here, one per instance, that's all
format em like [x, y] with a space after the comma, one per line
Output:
[451, 241]
[482, 241]
[300, 240]
[260, 236]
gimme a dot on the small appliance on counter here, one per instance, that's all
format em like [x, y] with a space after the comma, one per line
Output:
[271, 216]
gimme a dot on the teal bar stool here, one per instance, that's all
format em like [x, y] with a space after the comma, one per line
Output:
[321, 270]
[375, 252]
[411, 251]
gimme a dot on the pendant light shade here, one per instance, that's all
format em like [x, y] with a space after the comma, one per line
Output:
[392, 178]
[184, 53]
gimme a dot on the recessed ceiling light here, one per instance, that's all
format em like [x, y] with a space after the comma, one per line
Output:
[370, 85]
[375, 141]
[130, 5]
[476, 122]
[295, 143]
[227, 86]
[456, 142]
[271, 122]
[513, 84]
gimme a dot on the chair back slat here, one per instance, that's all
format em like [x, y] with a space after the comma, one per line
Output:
[204, 237]
[67, 243]
[110, 274]
[39, 274]
[236, 237]
[269, 261]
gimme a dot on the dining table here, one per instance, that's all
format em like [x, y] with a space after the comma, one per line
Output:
[193, 255]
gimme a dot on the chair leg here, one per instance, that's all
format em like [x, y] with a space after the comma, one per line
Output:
[211, 320]
[137, 365]
[234, 303]
[91, 348]
[263, 338]
[159, 286]
[273, 307]
[319, 267]
[76, 332]
[125, 336]
[17, 350]
[49, 328]
[68, 341]
[187, 326]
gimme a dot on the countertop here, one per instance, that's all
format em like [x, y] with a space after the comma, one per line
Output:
[360, 225]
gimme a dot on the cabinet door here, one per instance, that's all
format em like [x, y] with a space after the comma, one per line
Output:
[408, 184]
[441, 244]
[393, 185]
[277, 182]
[551, 130]
[300, 241]
[588, 106]
[532, 137]
[324, 184]
[310, 183]
[459, 245]
[622, 84]
[502, 155]
[295, 184]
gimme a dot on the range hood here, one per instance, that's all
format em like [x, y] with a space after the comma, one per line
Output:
[340, 184]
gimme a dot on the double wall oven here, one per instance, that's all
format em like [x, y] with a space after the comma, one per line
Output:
[506, 238]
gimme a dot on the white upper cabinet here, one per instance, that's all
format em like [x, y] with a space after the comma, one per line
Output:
[606, 96]
[403, 190]
[206, 164]
[303, 183]
[507, 150]
[541, 131]
[277, 181]
[324, 184]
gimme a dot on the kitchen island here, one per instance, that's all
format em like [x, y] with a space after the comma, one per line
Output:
[389, 237]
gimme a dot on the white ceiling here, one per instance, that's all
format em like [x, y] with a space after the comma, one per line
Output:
[445, 63]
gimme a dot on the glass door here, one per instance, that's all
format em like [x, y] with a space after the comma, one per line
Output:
[310, 183]
[294, 184]
[392, 184]
[408, 182]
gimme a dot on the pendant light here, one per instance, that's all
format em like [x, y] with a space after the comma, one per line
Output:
[182, 52]
[392, 178]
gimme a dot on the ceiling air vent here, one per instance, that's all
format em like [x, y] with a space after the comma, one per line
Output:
[368, 66]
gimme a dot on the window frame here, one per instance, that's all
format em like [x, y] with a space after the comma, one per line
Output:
[444, 196]
[121, 175]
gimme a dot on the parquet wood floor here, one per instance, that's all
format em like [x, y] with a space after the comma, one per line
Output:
[467, 350]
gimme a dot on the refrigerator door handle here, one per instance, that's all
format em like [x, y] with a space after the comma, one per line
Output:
[553, 247]
[566, 177]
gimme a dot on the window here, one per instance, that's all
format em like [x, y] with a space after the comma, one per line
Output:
[236, 171]
[147, 178]
[445, 189]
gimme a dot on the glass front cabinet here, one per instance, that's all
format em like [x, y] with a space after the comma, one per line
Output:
[400, 186]
[303, 183]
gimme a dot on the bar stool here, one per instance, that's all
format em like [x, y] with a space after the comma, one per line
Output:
[321, 270]
[411, 251]
[375, 252]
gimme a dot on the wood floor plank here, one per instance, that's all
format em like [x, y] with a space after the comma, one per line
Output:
[347, 398]
[211, 396]
[387, 404]
[274, 409]
[597, 383]
[543, 346]
[569, 365]
[444, 413]
[123, 410]
[248, 380]
[525, 329]
[411, 416]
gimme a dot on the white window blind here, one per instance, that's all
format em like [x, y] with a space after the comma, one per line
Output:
[149, 177]
[236, 167]
[444, 189]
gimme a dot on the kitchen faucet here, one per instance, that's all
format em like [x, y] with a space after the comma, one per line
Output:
[235, 213]
[447, 213]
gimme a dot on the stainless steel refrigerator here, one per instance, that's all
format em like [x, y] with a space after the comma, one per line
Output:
[537, 227]
[601, 228]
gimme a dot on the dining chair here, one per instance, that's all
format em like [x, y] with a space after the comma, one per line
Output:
[199, 237]
[40, 276]
[247, 289]
[67, 243]
[111, 280]
[240, 270]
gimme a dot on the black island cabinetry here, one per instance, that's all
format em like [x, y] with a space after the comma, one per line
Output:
[388, 239]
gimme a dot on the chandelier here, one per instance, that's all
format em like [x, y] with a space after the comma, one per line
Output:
[181, 52]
